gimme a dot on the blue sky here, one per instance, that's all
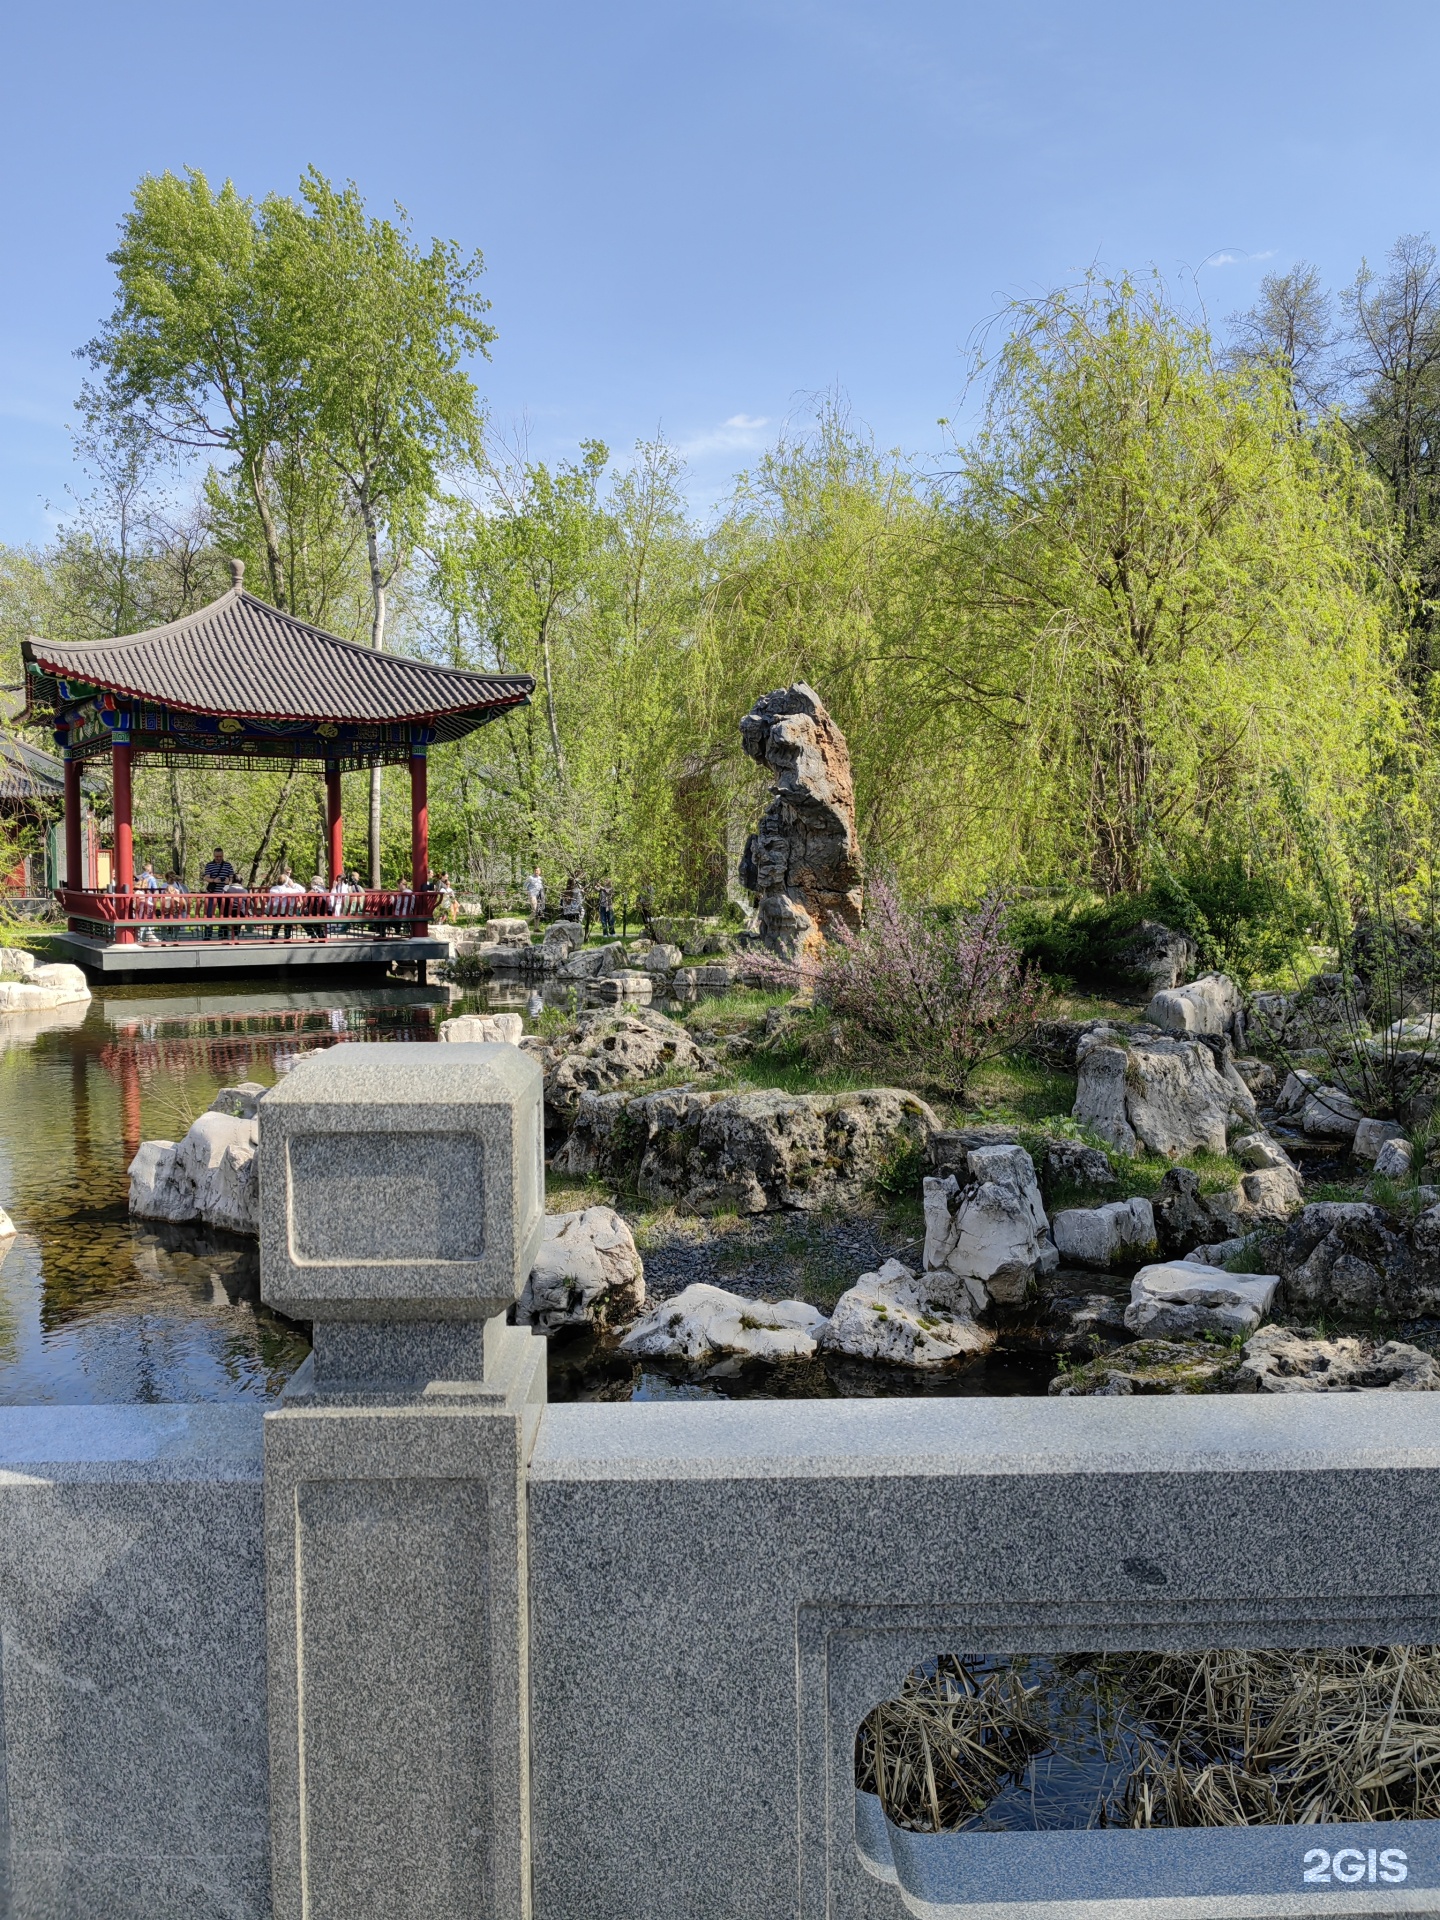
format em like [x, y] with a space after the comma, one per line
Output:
[696, 215]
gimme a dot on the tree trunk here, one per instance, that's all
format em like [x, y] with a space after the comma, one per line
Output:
[550, 702]
[256, 471]
[271, 824]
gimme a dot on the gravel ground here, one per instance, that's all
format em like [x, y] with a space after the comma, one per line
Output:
[771, 1256]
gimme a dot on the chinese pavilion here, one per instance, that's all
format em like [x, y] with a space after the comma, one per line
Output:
[240, 683]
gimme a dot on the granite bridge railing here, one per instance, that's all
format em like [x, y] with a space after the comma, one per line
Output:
[415, 1646]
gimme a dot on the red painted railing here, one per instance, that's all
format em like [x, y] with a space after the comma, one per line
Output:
[162, 918]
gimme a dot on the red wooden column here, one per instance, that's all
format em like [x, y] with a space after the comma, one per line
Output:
[74, 858]
[124, 837]
[334, 822]
[419, 824]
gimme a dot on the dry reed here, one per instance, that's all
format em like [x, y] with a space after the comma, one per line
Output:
[1225, 1738]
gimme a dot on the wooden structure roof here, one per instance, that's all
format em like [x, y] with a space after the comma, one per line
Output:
[240, 671]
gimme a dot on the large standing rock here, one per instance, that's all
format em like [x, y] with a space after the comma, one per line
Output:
[1280, 1361]
[1178, 1301]
[891, 1316]
[1213, 1004]
[757, 1152]
[16, 963]
[592, 963]
[1158, 1092]
[1113, 1235]
[803, 860]
[588, 1273]
[991, 1234]
[704, 1321]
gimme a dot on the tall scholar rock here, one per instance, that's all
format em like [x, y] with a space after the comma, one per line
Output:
[803, 860]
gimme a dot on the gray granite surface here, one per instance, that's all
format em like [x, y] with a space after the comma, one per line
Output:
[401, 1182]
[720, 1592]
[131, 1603]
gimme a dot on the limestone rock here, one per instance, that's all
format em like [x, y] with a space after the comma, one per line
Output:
[1185, 1217]
[1298, 1087]
[241, 1102]
[803, 860]
[1179, 1301]
[588, 1273]
[592, 963]
[704, 1322]
[510, 931]
[42, 987]
[1393, 1160]
[890, 1316]
[210, 1175]
[615, 1050]
[718, 977]
[626, 985]
[662, 958]
[1259, 1151]
[7, 1230]
[1280, 1361]
[1159, 1092]
[1213, 1004]
[1344, 1257]
[1122, 1232]
[488, 1029]
[17, 962]
[1151, 1367]
[1371, 1135]
[1158, 956]
[1069, 1163]
[1258, 1075]
[991, 1234]
[1330, 1114]
[758, 1152]
[1100, 1096]
[564, 933]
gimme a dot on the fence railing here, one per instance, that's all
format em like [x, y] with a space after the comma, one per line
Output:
[163, 917]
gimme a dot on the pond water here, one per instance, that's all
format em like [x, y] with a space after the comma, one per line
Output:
[97, 1308]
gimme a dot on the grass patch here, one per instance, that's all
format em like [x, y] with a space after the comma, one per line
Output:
[569, 1193]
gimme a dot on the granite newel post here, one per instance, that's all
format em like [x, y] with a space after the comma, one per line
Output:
[402, 1199]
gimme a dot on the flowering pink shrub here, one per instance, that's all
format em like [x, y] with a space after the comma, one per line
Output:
[949, 993]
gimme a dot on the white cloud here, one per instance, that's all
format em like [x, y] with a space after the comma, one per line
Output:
[1228, 258]
[741, 433]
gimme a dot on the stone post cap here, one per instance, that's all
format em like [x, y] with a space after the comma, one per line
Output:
[401, 1181]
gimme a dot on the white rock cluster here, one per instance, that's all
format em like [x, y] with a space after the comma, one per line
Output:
[987, 1241]
[41, 987]
[891, 1316]
[210, 1175]
[705, 1322]
[491, 1029]
[589, 1272]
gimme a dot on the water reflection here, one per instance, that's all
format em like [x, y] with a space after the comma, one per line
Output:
[94, 1308]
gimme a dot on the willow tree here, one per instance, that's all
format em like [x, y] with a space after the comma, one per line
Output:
[1155, 590]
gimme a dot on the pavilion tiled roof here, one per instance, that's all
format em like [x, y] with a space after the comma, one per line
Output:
[28, 773]
[240, 656]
